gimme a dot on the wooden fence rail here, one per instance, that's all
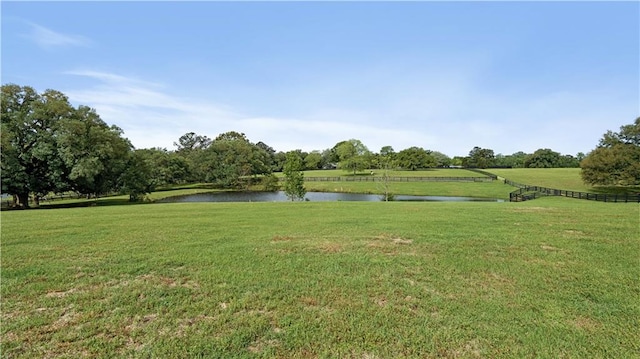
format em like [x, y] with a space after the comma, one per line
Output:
[526, 192]
[399, 179]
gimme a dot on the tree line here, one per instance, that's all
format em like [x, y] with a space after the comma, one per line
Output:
[49, 146]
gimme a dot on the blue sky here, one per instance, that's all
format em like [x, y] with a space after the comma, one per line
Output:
[445, 76]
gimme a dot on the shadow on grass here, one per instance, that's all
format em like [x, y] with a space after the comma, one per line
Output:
[187, 186]
[100, 202]
[630, 190]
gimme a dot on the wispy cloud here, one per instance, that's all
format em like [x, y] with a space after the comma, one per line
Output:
[152, 117]
[47, 38]
[449, 117]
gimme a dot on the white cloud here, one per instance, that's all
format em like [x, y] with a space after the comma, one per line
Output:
[151, 117]
[47, 38]
[448, 117]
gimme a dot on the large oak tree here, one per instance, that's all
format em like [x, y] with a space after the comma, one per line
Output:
[50, 146]
[616, 160]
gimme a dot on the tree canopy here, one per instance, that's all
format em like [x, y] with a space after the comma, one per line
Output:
[414, 158]
[293, 177]
[480, 158]
[616, 160]
[50, 146]
[353, 155]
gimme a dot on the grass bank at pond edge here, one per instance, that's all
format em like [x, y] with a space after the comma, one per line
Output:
[553, 277]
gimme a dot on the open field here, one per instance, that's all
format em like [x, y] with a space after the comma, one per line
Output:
[548, 278]
[558, 178]
[435, 172]
[495, 189]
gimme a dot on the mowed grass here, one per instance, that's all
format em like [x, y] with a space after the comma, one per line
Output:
[549, 278]
[558, 178]
[495, 189]
[434, 172]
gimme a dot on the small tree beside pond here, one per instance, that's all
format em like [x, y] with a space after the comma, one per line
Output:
[293, 177]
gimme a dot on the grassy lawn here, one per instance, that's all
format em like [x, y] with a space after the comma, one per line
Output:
[558, 178]
[548, 278]
[495, 189]
[124, 199]
[435, 172]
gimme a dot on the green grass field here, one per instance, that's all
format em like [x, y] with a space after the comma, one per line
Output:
[550, 278]
[436, 172]
[558, 178]
[494, 189]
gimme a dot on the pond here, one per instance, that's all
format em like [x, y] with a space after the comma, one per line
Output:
[311, 196]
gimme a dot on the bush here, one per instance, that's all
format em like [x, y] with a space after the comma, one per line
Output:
[270, 183]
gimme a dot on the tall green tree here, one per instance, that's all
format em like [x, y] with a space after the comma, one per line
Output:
[480, 158]
[167, 167]
[50, 146]
[191, 147]
[94, 153]
[270, 159]
[515, 160]
[137, 178]
[30, 162]
[313, 161]
[386, 160]
[293, 177]
[191, 141]
[232, 160]
[442, 160]
[353, 155]
[543, 158]
[616, 160]
[414, 158]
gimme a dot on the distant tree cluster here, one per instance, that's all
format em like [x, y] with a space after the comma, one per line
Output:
[541, 158]
[50, 146]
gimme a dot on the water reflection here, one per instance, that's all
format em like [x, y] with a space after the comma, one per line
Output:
[312, 196]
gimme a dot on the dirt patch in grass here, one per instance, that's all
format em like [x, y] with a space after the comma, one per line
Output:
[68, 318]
[388, 244]
[281, 239]
[573, 233]
[331, 247]
[584, 323]
[165, 281]
[383, 239]
[549, 248]
[401, 241]
[139, 322]
[309, 301]
[60, 294]
[261, 344]
[470, 349]
[381, 301]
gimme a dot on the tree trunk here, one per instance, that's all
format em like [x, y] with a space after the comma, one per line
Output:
[23, 200]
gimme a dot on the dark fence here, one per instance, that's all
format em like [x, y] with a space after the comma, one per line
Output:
[526, 192]
[398, 179]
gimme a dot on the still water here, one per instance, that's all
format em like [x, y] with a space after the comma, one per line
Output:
[311, 196]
